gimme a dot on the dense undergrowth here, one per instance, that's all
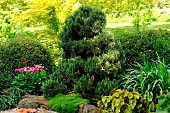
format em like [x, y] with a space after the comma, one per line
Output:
[127, 71]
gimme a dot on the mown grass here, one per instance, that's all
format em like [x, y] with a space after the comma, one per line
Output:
[122, 28]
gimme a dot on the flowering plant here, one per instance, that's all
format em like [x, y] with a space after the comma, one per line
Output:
[30, 69]
[30, 79]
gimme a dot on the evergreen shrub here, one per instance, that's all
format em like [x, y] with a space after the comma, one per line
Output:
[52, 87]
[90, 54]
[86, 22]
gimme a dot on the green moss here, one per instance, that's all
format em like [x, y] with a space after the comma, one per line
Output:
[67, 103]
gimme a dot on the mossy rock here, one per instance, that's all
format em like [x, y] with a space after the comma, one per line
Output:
[28, 103]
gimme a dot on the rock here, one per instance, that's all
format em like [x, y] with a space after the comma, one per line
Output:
[43, 102]
[86, 108]
[28, 103]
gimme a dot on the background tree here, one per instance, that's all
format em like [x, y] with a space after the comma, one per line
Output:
[48, 16]
[140, 10]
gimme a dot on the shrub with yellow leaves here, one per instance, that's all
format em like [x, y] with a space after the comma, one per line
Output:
[48, 16]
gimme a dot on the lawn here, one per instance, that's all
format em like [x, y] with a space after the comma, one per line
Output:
[124, 27]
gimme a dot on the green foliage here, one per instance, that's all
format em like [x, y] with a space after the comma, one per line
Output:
[151, 77]
[30, 82]
[10, 97]
[45, 19]
[141, 11]
[164, 103]
[3, 101]
[100, 60]
[105, 86]
[18, 50]
[7, 29]
[8, 9]
[66, 103]
[90, 53]
[8, 5]
[69, 71]
[85, 86]
[52, 87]
[148, 44]
[122, 101]
[86, 22]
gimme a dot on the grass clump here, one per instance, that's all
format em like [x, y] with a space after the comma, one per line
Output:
[151, 77]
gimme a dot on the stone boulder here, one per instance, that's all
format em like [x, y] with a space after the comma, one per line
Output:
[28, 103]
[43, 102]
[86, 108]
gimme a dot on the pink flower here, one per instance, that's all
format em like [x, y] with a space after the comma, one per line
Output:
[26, 62]
[33, 70]
[16, 70]
[38, 66]
[21, 69]
[28, 69]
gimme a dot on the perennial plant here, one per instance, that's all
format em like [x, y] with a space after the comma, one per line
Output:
[30, 79]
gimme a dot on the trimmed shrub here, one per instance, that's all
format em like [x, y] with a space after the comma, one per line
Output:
[86, 22]
[66, 103]
[18, 50]
[90, 53]
[146, 44]
[52, 87]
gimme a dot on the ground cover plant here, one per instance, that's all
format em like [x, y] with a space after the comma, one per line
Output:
[67, 103]
[120, 101]
[164, 103]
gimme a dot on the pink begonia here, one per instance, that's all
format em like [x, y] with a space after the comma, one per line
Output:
[30, 69]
